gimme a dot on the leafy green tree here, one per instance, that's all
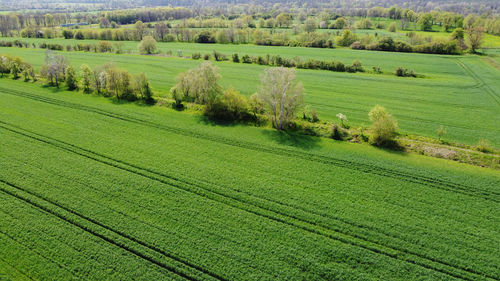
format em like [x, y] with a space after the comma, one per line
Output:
[310, 25]
[143, 87]
[140, 27]
[384, 127]
[71, 79]
[147, 45]
[200, 84]
[392, 27]
[340, 23]
[284, 20]
[347, 38]
[425, 21]
[16, 67]
[86, 73]
[475, 38]
[256, 105]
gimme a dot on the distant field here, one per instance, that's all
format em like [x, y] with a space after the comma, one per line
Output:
[92, 189]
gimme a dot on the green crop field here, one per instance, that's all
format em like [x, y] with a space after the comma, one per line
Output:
[461, 93]
[94, 189]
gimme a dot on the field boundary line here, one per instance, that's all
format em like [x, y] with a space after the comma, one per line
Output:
[328, 160]
[275, 215]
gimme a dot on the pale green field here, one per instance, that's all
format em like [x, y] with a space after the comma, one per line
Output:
[458, 92]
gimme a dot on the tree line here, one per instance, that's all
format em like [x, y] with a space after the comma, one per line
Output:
[280, 98]
[107, 80]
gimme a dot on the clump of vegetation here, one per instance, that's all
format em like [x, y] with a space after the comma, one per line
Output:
[148, 46]
[484, 146]
[338, 133]
[384, 127]
[196, 56]
[404, 72]
[235, 58]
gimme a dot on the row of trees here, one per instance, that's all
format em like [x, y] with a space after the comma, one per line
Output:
[16, 67]
[107, 80]
[280, 97]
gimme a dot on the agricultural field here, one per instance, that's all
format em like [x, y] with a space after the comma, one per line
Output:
[95, 189]
[453, 86]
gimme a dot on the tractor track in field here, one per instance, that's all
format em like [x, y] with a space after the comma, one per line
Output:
[17, 269]
[123, 246]
[39, 233]
[40, 254]
[492, 93]
[328, 160]
[399, 254]
[151, 225]
[334, 228]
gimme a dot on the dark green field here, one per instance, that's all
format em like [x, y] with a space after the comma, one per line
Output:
[92, 189]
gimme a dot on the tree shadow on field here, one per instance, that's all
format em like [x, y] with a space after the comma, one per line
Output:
[139, 103]
[202, 119]
[292, 139]
[53, 88]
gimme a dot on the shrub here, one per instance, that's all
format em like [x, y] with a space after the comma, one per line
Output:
[357, 66]
[357, 46]
[392, 27]
[235, 58]
[104, 47]
[383, 128]
[231, 106]
[67, 34]
[196, 56]
[403, 72]
[246, 59]
[484, 146]
[205, 37]
[206, 56]
[377, 70]
[147, 45]
[314, 116]
[338, 133]
[219, 56]
[347, 38]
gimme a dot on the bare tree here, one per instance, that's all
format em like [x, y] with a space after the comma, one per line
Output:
[281, 94]
[54, 67]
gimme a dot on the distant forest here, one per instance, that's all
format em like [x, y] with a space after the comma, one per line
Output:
[340, 6]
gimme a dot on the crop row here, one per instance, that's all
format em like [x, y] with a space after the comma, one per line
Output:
[328, 160]
[259, 206]
[117, 238]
